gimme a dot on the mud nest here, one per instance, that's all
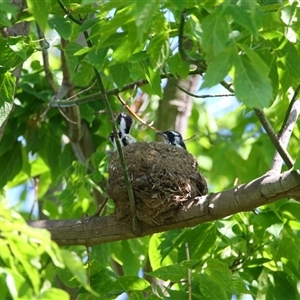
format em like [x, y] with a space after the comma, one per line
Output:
[163, 177]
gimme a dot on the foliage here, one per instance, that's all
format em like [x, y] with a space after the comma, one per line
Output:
[254, 42]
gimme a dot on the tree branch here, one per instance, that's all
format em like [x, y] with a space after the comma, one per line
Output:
[96, 230]
[285, 133]
[57, 102]
[273, 137]
[181, 50]
[44, 48]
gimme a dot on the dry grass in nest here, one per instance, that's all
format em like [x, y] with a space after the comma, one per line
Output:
[162, 176]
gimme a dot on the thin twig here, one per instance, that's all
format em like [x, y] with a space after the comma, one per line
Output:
[227, 86]
[66, 117]
[100, 208]
[82, 91]
[65, 9]
[98, 96]
[134, 114]
[273, 137]
[189, 273]
[36, 195]
[182, 53]
[119, 148]
[194, 95]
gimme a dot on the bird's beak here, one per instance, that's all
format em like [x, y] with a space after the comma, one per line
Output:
[162, 134]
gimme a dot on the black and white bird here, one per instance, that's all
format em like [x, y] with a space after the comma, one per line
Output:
[124, 121]
[172, 137]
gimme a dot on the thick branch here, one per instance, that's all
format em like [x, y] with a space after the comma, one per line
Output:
[97, 230]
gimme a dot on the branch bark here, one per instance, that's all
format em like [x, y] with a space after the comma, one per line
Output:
[91, 231]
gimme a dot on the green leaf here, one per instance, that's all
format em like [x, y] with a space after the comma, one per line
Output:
[61, 24]
[132, 283]
[239, 285]
[283, 288]
[158, 49]
[291, 210]
[220, 273]
[84, 74]
[156, 258]
[40, 10]
[209, 288]
[7, 89]
[144, 13]
[8, 11]
[246, 13]
[87, 112]
[154, 82]
[175, 272]
[123, 52]
[120, 74]
[288, 56]
[53, 293]
[5, 111]
[16, 283]
[11, 163]
[177, 295]
[200, 239]
[215, 34]
[297, 162]
[74, 264]
[257, 62]
[219, 67]
[252, 87]
[178, 66]
[128, 253]
[14, 51]
[97, 57]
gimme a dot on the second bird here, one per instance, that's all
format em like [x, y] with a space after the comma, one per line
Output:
[172, 137]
